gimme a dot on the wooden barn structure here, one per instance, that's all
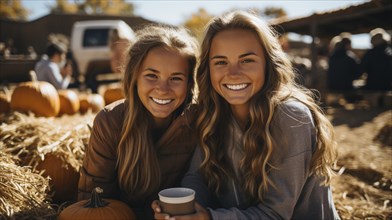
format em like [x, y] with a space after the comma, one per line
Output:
[356, 19]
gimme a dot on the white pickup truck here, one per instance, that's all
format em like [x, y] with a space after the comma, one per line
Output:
[91, 50]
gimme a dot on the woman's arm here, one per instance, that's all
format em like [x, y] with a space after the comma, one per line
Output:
[99, 164]
[194, 180]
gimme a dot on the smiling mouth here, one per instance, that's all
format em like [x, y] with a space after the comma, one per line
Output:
[236, 87]
[162, 101]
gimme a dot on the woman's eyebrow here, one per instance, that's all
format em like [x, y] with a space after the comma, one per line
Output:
[240, 56]
[178, 74]
[151, 69]
[218, 57]
[247, 54]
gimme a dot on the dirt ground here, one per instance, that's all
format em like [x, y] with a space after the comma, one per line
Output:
[363, 190]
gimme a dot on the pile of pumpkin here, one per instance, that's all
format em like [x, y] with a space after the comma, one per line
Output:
[43, 99]
[52, 146]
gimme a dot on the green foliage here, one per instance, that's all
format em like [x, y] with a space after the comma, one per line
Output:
[13, 9]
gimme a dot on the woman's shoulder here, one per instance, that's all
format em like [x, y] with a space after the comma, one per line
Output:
[189, 115]
[293, 129]
[294, 113]
[112, 114]
[185, 123]
[116, 107]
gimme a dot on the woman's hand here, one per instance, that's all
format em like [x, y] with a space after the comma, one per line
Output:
[158, 212]
[201, 213]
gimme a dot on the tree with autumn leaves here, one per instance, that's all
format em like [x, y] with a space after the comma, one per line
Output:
[14, 10]
[107, 7]
[196, 22]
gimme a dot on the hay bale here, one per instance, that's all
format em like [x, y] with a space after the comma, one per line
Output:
[38, 141]
[23, 192]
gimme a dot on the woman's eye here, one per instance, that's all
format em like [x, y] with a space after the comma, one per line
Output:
[151, 76]
[247, 61]
[177, 79]
[221, 62]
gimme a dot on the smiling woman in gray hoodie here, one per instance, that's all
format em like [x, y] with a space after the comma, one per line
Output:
[266, 150]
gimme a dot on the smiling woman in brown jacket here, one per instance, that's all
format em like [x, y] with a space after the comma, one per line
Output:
[144, 143]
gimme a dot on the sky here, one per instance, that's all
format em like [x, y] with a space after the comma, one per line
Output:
[175, 12]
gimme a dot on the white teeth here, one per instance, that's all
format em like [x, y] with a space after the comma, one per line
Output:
[237, 86]
[161, 101]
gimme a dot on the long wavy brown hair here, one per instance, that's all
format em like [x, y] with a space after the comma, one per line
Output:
[138, 169]
[257, 141]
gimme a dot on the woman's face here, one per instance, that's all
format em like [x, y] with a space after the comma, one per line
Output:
[237, 66]
[162, 82]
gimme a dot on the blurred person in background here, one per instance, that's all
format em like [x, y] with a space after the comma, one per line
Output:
[118, 48]
[9, 49]
[53, 67]
[377, 62]
[75, 82]
[344, 65]
[31, 54]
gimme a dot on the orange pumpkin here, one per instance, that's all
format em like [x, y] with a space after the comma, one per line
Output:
[69, 102]
[97, 209]
[63, 179]
[112, 94]
[95, 102]
[39, 97]
[4, 103]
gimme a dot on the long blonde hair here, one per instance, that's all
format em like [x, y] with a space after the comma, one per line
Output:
[138, 168]
[258, 142]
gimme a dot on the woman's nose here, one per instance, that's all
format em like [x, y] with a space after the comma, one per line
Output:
[162, 86]
[234, 69]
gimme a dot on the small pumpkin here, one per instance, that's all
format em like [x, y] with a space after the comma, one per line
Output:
[112, 94]
[37, 96]
[97, 209]
[95, 102]
[5, 101]
[69, 102]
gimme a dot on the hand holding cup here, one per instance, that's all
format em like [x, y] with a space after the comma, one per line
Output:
[177, 201]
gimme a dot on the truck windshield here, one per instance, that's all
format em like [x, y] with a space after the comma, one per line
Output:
[96, 37]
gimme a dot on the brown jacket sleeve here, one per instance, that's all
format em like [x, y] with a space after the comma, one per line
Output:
[99, 165]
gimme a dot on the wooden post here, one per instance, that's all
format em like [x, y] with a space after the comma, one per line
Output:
[313, 49]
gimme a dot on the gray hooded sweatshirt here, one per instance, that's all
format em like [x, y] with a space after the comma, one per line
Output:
[298, 194]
